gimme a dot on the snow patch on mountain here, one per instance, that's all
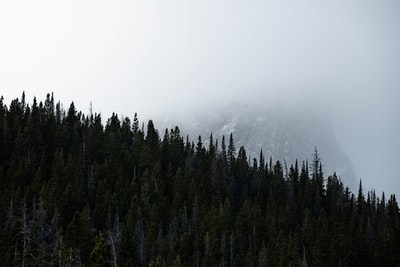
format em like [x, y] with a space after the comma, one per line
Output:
[283, 135]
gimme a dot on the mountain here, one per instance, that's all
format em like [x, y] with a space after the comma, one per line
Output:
[282, 134]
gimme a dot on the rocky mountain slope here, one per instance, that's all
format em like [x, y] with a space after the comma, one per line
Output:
[281, 134]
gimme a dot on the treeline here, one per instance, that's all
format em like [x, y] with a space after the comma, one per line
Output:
[75, 192]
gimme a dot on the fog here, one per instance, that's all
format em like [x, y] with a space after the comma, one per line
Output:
[172, 57]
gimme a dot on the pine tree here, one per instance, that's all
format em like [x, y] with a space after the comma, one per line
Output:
[100, 255]
[231, 152]
[79, 235]
[65, 177]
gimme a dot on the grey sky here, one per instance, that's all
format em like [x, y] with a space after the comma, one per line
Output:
[155, 57]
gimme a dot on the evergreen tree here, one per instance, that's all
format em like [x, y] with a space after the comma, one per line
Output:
[79, 235]
[64, 176]
[100, 255]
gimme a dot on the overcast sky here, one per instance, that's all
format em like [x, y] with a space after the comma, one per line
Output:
[156, 57]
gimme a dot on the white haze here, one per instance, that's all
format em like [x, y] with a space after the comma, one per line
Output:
[169, 57]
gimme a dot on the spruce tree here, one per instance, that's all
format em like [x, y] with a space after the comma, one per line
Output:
[100, 255]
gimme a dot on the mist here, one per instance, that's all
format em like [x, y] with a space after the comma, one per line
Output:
[168, 58]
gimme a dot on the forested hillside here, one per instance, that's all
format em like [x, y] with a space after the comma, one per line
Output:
[75, 192]
[284, 132]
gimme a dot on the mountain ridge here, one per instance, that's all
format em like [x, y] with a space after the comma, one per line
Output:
[281, 134]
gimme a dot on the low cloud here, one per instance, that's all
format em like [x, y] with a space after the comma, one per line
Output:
[172, 57]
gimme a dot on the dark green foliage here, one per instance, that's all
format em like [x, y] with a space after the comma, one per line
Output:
[79, 235]
[101, 254]
[167, 201]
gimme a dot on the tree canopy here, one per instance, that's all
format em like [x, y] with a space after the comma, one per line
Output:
[76, 192]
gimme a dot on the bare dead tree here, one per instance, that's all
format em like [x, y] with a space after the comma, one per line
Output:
[141, 239]
[114, 239]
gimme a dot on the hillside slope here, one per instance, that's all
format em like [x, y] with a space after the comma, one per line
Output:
[281, 134]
